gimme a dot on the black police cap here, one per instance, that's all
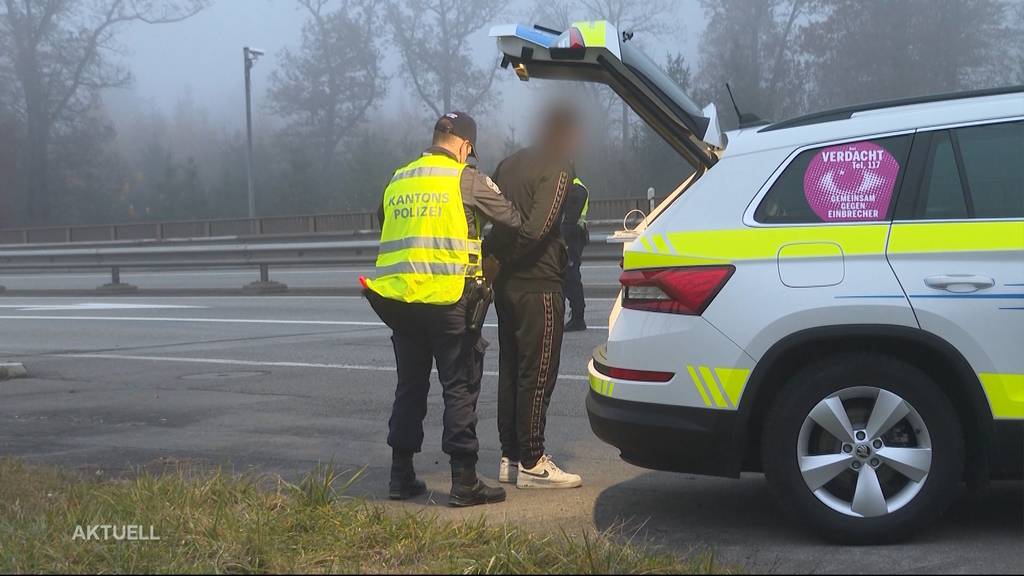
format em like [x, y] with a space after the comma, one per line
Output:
[458, 124]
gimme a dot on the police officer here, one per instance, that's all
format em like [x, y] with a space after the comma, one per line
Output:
[577, 236]
[429, 290]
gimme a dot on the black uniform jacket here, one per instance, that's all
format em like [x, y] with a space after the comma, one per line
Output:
[574, 234]
[534, 257]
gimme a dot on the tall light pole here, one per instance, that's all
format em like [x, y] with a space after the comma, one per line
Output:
[251, 55]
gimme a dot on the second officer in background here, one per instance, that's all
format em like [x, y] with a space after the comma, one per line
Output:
[429, 289]
[576, 233]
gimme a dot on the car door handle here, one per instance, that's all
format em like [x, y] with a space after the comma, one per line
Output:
[959, 283]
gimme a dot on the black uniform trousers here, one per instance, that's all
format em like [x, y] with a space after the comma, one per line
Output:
[423, 334]
[530, 327]
[572, 283]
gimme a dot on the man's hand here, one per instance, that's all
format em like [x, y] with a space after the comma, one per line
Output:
[491, 267]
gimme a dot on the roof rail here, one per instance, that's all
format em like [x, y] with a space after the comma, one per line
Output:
[848, 112]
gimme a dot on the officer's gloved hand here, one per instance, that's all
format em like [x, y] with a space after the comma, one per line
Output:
[491, 267]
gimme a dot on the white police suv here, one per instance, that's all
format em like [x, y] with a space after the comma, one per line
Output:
[836, 300]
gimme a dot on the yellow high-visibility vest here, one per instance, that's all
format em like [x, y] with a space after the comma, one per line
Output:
[426, 250]
[586, 205]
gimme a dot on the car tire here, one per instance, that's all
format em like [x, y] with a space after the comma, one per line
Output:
[794, 435]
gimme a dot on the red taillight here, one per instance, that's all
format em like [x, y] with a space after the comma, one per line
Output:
[576, 39]
[635, 375]
[686, 290]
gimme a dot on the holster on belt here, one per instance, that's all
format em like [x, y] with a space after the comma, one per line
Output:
[478, 300]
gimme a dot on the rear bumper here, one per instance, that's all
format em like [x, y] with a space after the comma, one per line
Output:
[671, 438]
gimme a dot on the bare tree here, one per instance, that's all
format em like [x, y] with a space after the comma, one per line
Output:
[642, 18]
[909, 47]
[556, 14]
[754, 47]
[610, 157]
[326, 88]
[433, 38]
[1015, 29]
[60, 53]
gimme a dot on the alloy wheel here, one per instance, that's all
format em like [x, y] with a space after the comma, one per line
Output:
[864, 452]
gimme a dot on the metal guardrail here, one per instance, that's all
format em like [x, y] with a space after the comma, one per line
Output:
[261, 252]
[314, 224]
[271, 226]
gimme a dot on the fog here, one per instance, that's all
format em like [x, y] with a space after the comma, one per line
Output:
[145, 119]
[201, 57]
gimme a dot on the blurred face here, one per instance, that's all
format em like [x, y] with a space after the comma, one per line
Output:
[572, 141]
[564, 142]
[560, 131]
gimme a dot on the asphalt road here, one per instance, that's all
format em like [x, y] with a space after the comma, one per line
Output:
[599, 276]
[278, 384]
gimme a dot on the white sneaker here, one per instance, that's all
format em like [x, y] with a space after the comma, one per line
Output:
[508, 470]
[546, 475]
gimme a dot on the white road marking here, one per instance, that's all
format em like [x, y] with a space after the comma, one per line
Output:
[86, 306]
[219, 320]
[176, 274]
[254, 363]
[240, 298]
[197, 320]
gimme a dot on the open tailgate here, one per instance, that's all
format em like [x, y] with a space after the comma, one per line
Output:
[595, 52]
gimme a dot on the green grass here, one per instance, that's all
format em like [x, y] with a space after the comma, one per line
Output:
[212, 522]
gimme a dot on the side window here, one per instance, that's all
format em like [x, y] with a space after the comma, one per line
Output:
[942, 195]
[973, 172]
[993, 164]
[852, 182]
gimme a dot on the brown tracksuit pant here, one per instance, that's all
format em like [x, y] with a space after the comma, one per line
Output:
[530, 328]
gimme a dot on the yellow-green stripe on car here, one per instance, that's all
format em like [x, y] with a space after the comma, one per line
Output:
[918, 238]
[1005, 395]
[601, 386]
[710, 247]
[721, 388]
[716, 247]
[595, 34]
[699, 384]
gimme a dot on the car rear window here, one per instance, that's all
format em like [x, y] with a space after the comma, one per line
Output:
[849, 182]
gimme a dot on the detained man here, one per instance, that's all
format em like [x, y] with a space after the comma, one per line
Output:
[529, 299]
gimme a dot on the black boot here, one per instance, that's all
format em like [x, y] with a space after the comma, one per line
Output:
[404, 484]
[576, 322]
[467, 489]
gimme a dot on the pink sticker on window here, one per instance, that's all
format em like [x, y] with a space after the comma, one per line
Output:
[851, 182]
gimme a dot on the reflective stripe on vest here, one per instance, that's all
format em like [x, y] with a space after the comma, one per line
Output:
[431, 268]
[586, 205]
[426, 252]
[430, 243]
